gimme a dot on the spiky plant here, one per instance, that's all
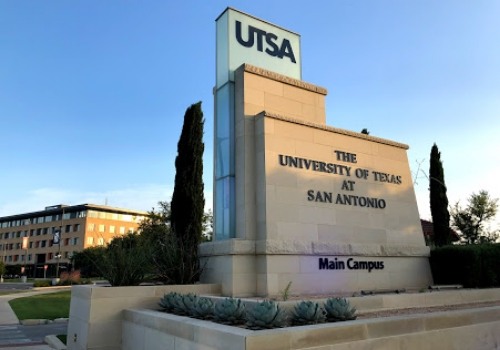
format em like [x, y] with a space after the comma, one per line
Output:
[339, 309]
[230, 311]
[167, 303]
[189, 300]
[308, 312]
[203, 308]
[266, 314]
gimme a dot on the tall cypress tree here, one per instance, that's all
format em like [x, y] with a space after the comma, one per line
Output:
[188, 201]
[438, 200]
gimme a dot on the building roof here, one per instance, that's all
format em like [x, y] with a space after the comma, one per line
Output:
[428, 229]
[55, 209]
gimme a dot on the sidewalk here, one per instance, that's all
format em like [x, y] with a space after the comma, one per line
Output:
[8, 317]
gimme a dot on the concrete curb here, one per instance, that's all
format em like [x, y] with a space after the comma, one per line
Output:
[35, 321]
[54, 342]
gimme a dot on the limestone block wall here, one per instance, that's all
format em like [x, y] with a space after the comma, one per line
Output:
[305, 198]
[314, 204]
[457, 330]
[96, 312]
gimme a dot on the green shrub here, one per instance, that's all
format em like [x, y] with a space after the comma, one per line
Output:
[473, 266]
[41, 283]
[125, 261]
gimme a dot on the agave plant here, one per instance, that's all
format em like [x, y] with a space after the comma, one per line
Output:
[203, 308]
[308, 312]
[339, 309]
[230, 311]
[266, 314]
[188, 302]
[167, 303]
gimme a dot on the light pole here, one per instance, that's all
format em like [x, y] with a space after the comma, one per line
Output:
[57, 240]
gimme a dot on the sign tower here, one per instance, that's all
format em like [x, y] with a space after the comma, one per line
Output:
[296, 200]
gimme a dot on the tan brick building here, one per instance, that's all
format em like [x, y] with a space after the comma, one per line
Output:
[29, 240]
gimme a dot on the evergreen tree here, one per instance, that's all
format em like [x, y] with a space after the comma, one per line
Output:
[188, 202]
[438, 200]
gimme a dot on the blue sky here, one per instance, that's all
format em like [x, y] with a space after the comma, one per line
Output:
[93, 93]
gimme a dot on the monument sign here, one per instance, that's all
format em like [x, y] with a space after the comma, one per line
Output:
[327, 209]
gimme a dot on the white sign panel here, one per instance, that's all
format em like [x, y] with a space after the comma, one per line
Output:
[242, 38]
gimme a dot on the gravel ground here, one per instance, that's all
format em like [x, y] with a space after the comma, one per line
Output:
[424, 310]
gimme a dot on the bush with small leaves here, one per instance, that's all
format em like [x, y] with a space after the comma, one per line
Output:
[339, 309]
[266, 314]
[167, 303]
[230, 311]
[203, 308]
[308, 312]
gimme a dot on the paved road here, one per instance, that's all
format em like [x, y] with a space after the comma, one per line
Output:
[15, 286]
[28, 335]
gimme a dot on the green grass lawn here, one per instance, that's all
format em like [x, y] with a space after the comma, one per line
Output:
[46, 306]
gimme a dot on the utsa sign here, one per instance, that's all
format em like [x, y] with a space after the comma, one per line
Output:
[242, 38]
[258, 36]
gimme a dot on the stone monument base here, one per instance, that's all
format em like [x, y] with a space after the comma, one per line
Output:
[265, 268]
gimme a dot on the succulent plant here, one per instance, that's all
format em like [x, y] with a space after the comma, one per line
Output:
[308, 312]
[203, 308]
[266, 314]
[339, 309]
[230, 311]
[167, 303]
[187, 303]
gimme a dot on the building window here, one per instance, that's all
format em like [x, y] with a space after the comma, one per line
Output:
[66, 241]
[100, 241]
[67, 229]
[102, 228]
[90, 240]
[122, 230]
[44, 243]
[45, 230]
[91, 228]
[75, 241]
[50, 256]
[111, 229]
[29, 257]
[76, 227]
[31, 245]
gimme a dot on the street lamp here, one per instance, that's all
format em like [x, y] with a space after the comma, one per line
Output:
[57, 240]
